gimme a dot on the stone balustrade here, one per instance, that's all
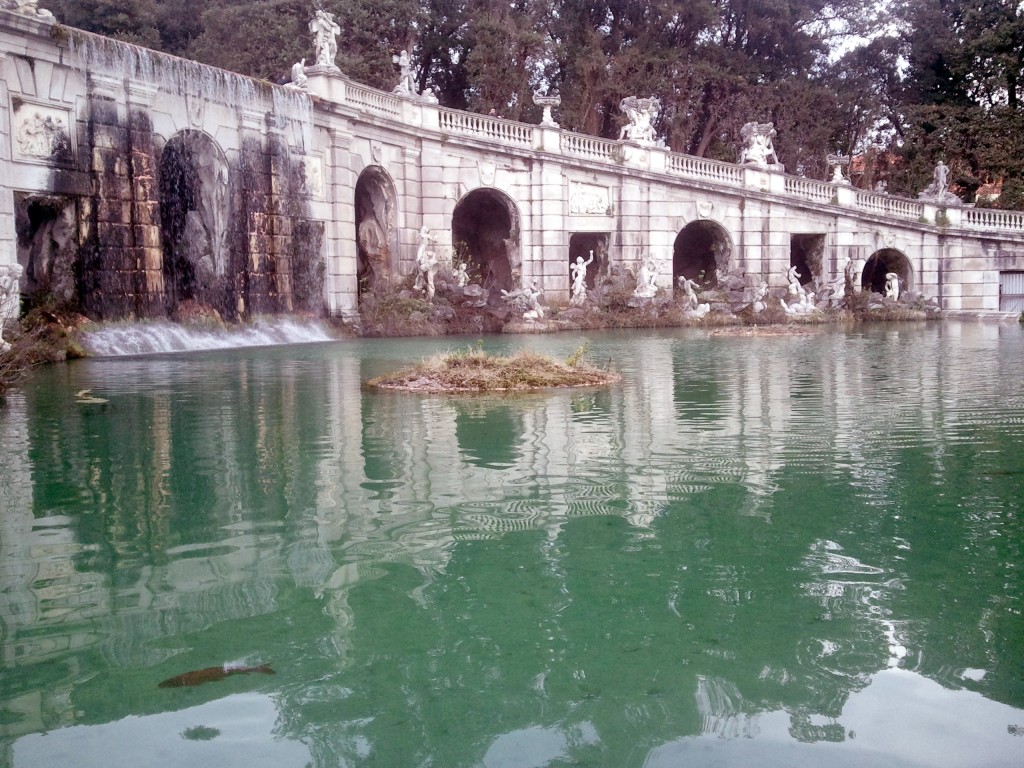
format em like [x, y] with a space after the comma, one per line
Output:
[486, 127]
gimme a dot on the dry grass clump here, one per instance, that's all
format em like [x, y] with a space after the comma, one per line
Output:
[474, 370]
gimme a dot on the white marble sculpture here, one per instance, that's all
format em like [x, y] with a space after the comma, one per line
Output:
[10, 274]
[325, 39]
[641, 113]
[532, 295]
[462, 275]
[850, 275]
[802, 306]
[892, 286]
[647, 277]
[407, 78]
[838, 162]
[793, 279]
[758, 148]
[760, 301]
[547, 102]
[938, 190]
[299, 79]
[28, 8]
[578, 272]
[690, 289]
[426, 263]
[39, 135]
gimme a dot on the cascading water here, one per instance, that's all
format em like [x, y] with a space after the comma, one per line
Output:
[162, 337]
[181, 217]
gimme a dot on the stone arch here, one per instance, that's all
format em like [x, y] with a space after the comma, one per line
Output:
[485, 230]
[702, 250]
[194, 219]
[376, 205]
[882, 262]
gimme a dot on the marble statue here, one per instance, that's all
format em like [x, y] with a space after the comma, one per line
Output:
[426, 263]
[647, 277]
[837, 162]
[938, 190]
[760, 302]
[641, 113]
[407, 79]
[578, 271]
[9, 298]
[547, 102]
[892, 286]
[28, 8]
[802, 306]
[690, 289]
[532, 295]
[850, 275]
[793, 278]
[325, 38]
[758, 148]
[299, 79]
[462, 275]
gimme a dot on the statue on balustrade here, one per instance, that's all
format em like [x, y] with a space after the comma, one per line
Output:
[641, 113]
[27, 8]
[938, 191]
[407, 78]
[758, 147]
[299, 79]
[325, 39]
[837, 162]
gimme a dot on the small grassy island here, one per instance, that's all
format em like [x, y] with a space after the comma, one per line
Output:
[474, 370]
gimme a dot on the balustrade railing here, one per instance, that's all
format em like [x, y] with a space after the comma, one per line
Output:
[989, 218]
[890, 206]
[493, 128]
[590, 147]
[818, 191]
[701, 168]
[373, 100]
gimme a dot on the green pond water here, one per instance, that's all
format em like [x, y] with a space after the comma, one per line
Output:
[791, 551]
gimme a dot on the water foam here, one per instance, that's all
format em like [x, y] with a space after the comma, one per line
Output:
[162, 337]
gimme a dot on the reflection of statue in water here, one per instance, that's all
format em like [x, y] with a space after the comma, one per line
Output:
[325, 38]
[10, 274]
[892, 286]
[579, 279]
[426, 263]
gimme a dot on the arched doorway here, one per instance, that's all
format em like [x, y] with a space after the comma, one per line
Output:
[485, 230]
[701, 250]
[375, 226]
[194, 214]
[881, 263]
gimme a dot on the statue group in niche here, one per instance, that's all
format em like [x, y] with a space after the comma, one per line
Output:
[325, 33]
[758, 148]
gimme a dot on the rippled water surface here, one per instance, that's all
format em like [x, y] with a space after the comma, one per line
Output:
[781, 551]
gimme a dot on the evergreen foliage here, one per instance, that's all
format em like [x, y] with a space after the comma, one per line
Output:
[910, 82]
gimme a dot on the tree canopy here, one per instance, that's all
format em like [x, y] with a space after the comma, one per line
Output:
[903, 86]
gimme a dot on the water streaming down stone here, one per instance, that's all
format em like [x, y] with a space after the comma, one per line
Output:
[194, 189]
[161, 337]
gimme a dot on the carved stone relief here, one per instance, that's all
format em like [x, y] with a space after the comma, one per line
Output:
[589, 199]
[41, 132]
[313, 176]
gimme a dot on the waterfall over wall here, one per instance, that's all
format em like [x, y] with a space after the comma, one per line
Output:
[189, 184]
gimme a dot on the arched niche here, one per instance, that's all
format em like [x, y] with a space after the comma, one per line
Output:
[376, 206]
[485, 230]
[882, 262]
[702, 249]
[194, 217]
